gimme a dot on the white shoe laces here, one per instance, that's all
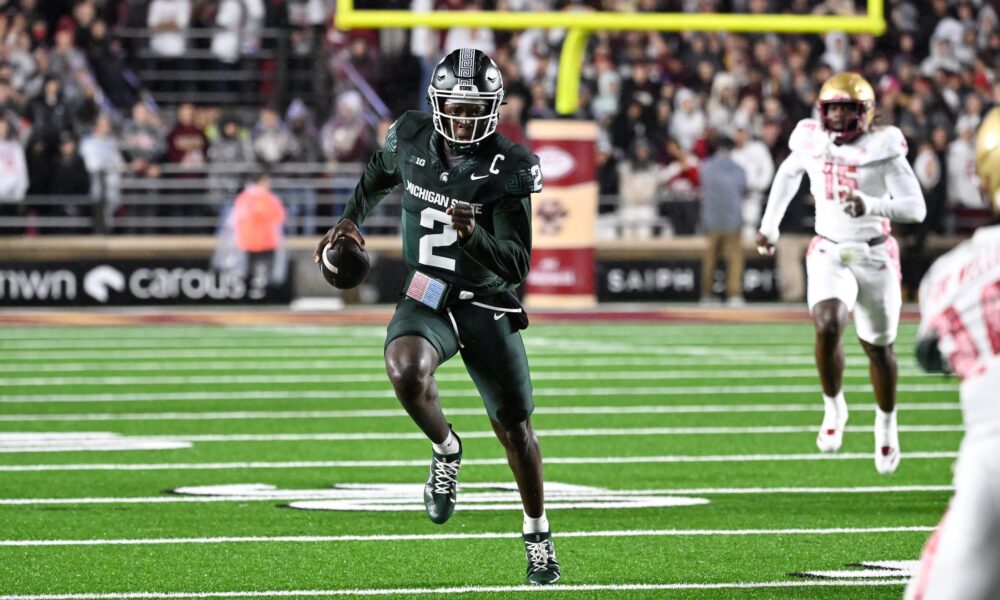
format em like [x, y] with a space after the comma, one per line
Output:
[445, 476]
[538, 555]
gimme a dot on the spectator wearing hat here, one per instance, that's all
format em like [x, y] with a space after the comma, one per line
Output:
[69, 176]
[755, 159]
[347, 136]
[303, 150]
[637, 175]
[271, 139]
[49, 113]
[963, 184]
[104, 163]
[229, 152]
[679, 182]
[688, 123]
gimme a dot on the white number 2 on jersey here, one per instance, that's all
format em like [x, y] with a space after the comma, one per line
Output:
[428, 218]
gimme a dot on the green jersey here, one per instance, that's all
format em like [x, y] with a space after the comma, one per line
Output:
[497, 180]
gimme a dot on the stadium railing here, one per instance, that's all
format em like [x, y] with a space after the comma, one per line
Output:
[193, 200]
[269, 71]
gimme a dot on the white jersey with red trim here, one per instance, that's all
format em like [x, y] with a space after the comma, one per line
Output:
[873, 166]
[960, 305]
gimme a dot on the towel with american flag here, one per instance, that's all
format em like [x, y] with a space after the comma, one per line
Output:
[426, 290]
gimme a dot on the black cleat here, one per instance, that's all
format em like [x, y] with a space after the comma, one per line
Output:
[441, 489]
[543, 568]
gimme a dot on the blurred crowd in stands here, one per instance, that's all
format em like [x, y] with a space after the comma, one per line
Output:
[77, 114]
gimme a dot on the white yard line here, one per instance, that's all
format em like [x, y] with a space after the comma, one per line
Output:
[313, 495]
[535, 346]
[46, 365]
[342, 393]
[397, 413]
[307, 539]
[592, 432]
[557, 460]
[540, 375]
[334, 341]
[500, 589]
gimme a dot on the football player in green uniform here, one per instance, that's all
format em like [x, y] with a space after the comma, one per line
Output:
[466, 229]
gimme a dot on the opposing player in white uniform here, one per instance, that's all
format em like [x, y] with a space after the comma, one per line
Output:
[960, 332]
[861, 181]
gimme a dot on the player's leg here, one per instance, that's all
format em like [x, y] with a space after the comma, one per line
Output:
[734, 268]
[830, 320]
[883, 371]
[418, 340]
[709, 260]
[525, 459]
[831, 292]
[410, 362]
[961, 560]
[876, 318]
[497, 363]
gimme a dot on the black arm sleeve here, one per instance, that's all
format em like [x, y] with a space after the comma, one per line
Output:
[506, 251]
[380, 177]
[929, 356]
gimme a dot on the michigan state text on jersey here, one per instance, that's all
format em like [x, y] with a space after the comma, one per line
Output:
[496, 179]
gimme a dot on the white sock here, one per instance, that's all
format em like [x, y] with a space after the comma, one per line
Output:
[536, 524]
[884, 420]
[837, 403]
[449, 446]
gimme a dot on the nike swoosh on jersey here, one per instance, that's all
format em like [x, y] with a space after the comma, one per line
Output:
[475, 178]
[498, 316]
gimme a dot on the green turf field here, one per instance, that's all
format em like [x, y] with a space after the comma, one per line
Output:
[160, 462]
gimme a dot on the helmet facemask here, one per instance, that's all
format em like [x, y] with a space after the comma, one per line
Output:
[465, 95]
[853, 122]
[465, 117]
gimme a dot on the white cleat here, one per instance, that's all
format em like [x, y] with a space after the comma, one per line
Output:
[831, 432]
[887, 453]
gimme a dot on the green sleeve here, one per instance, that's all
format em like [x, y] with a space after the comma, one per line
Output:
[506, 251]
[380, 177]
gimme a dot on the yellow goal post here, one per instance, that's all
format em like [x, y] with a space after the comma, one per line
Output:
[580, 25]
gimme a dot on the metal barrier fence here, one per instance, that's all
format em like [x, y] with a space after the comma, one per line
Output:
[186, 200]
[269, 68]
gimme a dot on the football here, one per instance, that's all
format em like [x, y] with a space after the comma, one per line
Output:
[344, 263]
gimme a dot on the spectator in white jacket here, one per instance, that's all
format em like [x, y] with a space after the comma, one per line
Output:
[13, 166]
[104, 161]
[963, 183]
[755, 158]
[688, 122]
[637, 178]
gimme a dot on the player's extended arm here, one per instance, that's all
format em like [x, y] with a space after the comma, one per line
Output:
[906, 202]
[506, 251]
[380, 177]
[786, 183]
[929, 355]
